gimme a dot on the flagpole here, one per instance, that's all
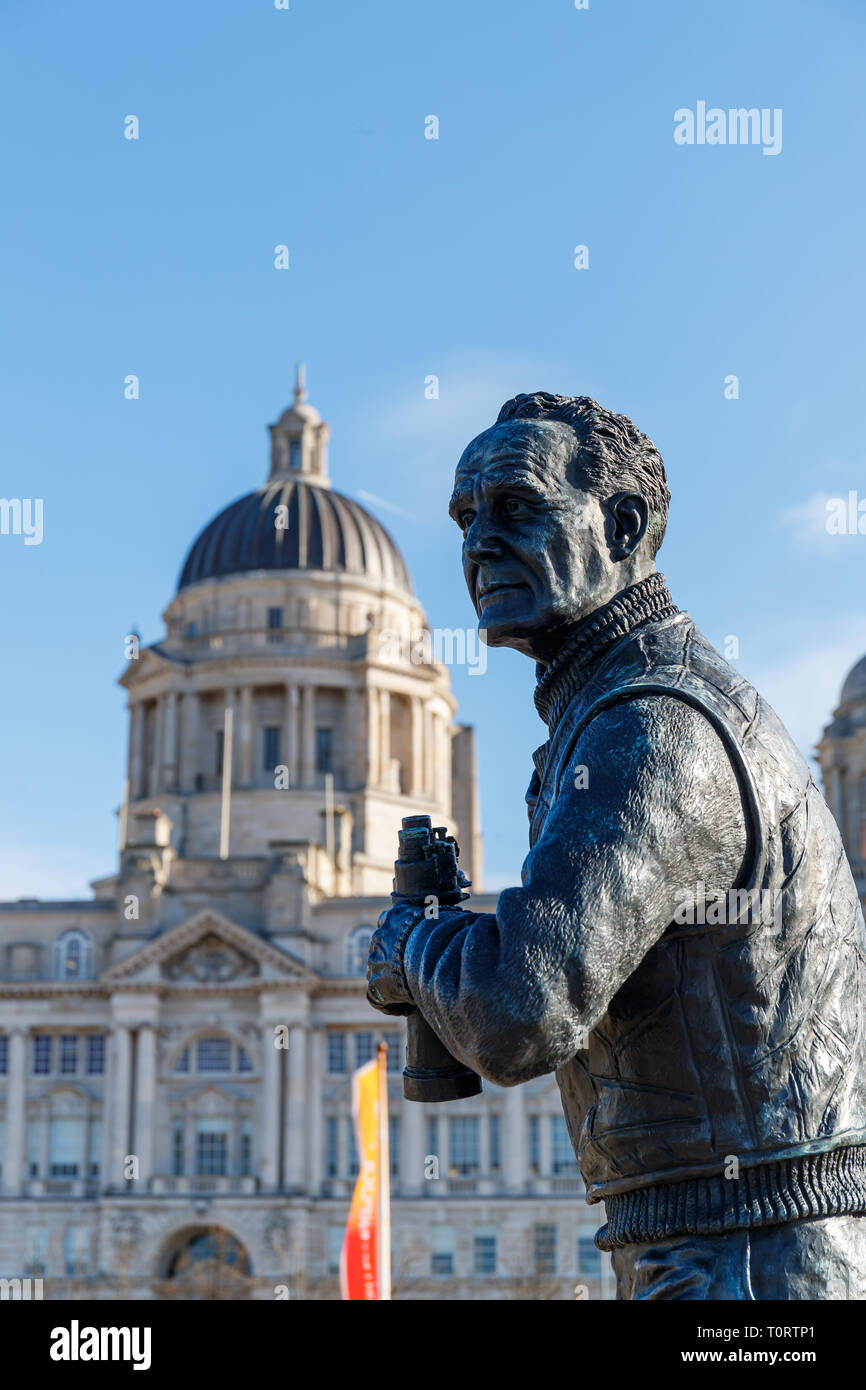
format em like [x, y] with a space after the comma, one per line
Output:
[227, 785]
[384, 1223]
[124, 818]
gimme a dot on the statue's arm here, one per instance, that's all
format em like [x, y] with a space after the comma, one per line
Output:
[513, 994]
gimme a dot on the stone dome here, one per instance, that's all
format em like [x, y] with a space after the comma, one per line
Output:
[320, 530]
[854, 687]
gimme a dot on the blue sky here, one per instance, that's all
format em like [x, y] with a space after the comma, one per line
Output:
[410, 256]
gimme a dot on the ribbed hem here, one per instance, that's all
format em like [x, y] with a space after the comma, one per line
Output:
[825, 1184]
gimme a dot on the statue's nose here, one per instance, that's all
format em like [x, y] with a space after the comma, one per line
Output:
[482, 540]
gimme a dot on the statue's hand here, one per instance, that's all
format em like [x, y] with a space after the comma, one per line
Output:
[386, 982]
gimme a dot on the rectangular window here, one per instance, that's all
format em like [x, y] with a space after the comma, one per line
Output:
[534, 1143]
[433, 1140]
[442, 1250]
[295, 454]
[495, 1143]
[545, 1248]
[332, 1147]
[335, 1248]
[95, 1054]
[484, 1250]
[65, 1147]
[394, 1144]
[336, 1053]
[275, 624]
[211, 1156]
[246, 1149]
[324, 741]
[213, 1054]
[353, 1151]
[394, 1059]
[177, 1146]
[365, 1048]
[36, 1242]
[220, 744]
[270, 748]
[244, 1060]
[463, 1145]
[4, 1054]
[34, 1130]
[68, 1054]
[95, 1143]
[564, 1161]
[77, 1250]
[588, 1255]
[42, 1054]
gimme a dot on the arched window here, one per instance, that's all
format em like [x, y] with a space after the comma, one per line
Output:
[73, 956]
[357, 949]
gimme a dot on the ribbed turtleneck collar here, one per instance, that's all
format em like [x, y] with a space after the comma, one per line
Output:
[646, 601]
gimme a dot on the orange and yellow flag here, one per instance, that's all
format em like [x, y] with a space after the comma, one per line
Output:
[365, 1264]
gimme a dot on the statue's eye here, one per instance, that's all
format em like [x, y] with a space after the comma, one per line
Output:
[466, 519]
[512, 506]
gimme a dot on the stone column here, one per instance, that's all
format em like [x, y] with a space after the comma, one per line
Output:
[107, 1138]
[514, 1160]
[145, 1102]
[836, 794]
[545, 1149]
[14, 1130]
[189, 1141]
[189, 741]
[245, 737]
[155, 784]
[120, 1105]
[428, 751]
[315, 1121]
[136, 751]
[372, 750]
[168, 775]
[413, 1124]
[269, 1127]
[308, 736]
[295, 1137]
[416, 783]
[290, 734]
[44, 1139]
[436, 759]
[385, 739]
[353, 741]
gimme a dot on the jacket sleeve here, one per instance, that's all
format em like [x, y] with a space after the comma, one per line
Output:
[513, 994]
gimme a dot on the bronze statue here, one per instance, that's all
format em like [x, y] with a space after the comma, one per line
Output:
[687, 951]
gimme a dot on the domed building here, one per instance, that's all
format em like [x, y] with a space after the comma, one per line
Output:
[155, 1142]
[842, 751]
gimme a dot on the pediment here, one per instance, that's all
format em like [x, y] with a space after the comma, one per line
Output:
[212, 960]
[208, 949]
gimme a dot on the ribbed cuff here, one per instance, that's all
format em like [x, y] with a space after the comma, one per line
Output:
[824, 1184]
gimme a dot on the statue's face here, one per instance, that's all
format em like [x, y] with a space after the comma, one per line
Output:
[535, 554]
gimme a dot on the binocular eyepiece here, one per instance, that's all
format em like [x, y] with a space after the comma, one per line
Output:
[426, 874]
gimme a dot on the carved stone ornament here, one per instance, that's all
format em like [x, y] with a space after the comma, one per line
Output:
[212, 961]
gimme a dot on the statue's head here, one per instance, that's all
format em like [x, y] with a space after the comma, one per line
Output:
[562, 505]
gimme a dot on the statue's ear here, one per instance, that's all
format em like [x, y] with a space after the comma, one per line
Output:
[627, 518]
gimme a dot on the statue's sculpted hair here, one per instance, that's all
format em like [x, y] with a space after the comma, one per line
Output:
[612, 455]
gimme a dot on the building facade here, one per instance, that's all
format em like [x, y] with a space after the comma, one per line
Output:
[176, 1052]
[842, 751]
